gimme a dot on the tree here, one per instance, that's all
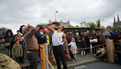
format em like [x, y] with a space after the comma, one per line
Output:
[92, 25]
[77, 26]
[102, 27]
[98, 23]
[116, 28]
[70, 26]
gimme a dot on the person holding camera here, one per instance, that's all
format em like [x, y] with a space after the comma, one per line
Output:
[57, 40]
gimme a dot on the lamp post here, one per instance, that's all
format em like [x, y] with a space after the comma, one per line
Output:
[55, 14]
[98, 22]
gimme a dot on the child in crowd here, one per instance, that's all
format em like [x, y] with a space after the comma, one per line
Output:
[73, 47]
[17, 51]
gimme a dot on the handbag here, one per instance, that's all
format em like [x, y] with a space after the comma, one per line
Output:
[93, 40]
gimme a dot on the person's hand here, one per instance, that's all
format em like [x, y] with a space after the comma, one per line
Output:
[3, 40]
[67, 51]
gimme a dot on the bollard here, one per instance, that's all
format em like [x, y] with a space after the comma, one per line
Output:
[42, 57]
[91, 48]
[110, 50]
[47, 64]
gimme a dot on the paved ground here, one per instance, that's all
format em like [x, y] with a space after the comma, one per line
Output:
[89, 62]
[97, 65]
[80, 60]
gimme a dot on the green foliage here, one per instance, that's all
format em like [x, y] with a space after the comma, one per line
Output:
[98, 23]
[102, 27]
[77, 26]
[92, 25]
[116, 28]
[70, 26]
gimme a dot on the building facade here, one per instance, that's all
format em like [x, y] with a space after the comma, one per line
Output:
[84, 25]
[65, 24]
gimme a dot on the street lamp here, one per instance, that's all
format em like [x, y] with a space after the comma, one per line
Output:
[98, 22]
[55, 14]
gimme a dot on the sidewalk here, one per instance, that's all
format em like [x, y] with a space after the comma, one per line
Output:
[80, 60]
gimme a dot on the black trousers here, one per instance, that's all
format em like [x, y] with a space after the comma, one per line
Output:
[94, 50]
[60, 56]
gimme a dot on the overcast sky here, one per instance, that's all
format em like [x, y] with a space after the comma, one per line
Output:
[41, 11]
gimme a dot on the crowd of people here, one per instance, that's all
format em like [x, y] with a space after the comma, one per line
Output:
[25, 44]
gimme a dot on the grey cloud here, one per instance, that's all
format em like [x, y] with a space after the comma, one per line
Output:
[37, 11]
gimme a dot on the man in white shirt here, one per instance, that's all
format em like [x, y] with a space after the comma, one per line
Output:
[57, 40]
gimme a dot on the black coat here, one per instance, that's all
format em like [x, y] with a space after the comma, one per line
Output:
[94, 36]
[83, 44]
[41, 38]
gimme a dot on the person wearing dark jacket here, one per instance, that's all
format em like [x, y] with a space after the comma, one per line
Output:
[94, 36]
[115, 37]
[78, 42]
[101, 38]
[83, 45]
[41, 39]
[9, 42]
[41, 36]
[87, 38]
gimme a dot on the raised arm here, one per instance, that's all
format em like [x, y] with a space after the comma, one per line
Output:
[31, 32]
[51, 28]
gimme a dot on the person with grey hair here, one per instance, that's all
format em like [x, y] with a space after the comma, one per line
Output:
[78, 40]
[31, 45]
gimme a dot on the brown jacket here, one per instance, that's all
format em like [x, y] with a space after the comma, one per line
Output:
[30, 40]
[17, 50]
